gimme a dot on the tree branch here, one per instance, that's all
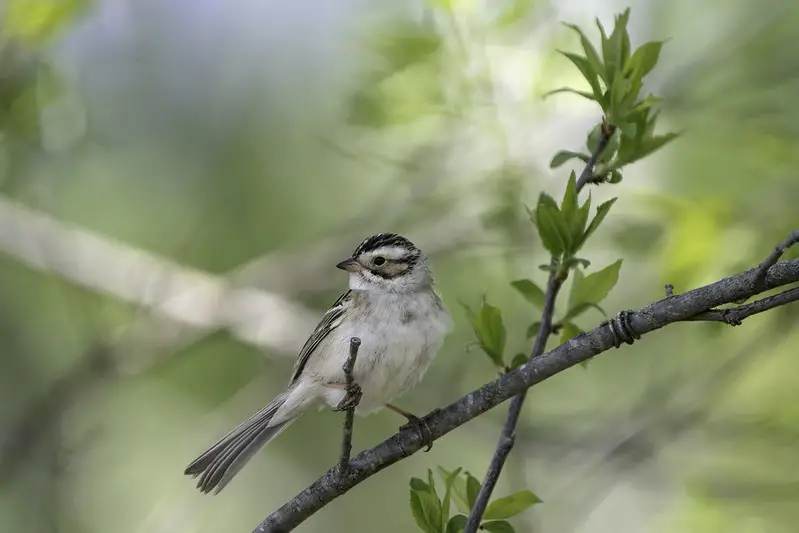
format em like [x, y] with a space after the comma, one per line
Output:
[508, 435]
[735, 315]
[775, 255]
[578, 349]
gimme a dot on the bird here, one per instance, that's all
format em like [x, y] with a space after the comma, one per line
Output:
[394, 308]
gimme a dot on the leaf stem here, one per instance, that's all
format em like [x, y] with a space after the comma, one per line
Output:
[508, 435]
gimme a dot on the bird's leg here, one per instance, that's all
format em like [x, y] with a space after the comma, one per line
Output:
[351, 399]
[415, 422]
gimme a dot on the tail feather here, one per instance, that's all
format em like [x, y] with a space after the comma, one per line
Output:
[225, 458]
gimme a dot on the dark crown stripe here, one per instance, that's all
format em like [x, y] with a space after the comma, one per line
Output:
[384, 239]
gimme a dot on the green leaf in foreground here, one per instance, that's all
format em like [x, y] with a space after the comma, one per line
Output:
[531, 292]
[510, 505]
[456, 524]
[565, 155]
[497, 526]
[490, 331]
[601, 212]
[426, 511]
[593, 288]
[458, 489]
[473, 487]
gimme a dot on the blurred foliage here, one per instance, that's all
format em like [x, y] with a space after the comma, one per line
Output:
[214, 134]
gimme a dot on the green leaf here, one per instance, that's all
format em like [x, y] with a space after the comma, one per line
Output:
[615, 177]
[490, 331]
[569, 331]
[644, 59]
[531, 292]
[588, 72]
[628, 131]
[547, 220]
[472, 489]
[581, 219]
[582, 308]
[601, 212]
[458, 489]
[570, 90]
[574, 262]
[426, 511]
[618, 92]
[617, 49]
[510, 505]
[565, 155]
[594, 287]
[457, 524]
[448, 483]
[532, 330]
[591, 54]
[653, 144]
[569, 204]
[648, 102]
[497, 526]
[518, 360]
[592, 140]
[419, 485]
[432, 482]
[545, 199]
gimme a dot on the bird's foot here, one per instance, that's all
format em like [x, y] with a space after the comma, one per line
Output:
[351, 399]
[420, 425]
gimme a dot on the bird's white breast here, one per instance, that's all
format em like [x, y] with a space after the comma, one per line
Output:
[400, 334]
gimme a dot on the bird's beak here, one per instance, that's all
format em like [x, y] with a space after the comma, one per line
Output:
[350, 265]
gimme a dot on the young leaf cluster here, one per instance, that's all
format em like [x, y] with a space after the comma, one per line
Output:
[448, 514]
[564, 229]
[490, 331]
[615, 74]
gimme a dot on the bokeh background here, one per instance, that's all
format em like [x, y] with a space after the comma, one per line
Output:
[180, 176]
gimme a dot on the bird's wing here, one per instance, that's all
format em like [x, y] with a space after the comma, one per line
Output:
[329, 322]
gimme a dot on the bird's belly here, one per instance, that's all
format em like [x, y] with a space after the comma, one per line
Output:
[384, 368]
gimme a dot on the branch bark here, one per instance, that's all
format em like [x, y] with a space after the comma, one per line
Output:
[578, 349]
[348, 404]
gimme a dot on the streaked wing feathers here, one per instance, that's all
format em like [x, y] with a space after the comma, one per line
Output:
[329, 322]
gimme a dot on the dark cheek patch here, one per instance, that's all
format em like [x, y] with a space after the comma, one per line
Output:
[389, 270]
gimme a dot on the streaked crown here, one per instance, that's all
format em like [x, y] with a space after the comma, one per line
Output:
[387, 240]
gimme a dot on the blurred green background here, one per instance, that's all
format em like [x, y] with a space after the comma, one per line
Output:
[179, 178]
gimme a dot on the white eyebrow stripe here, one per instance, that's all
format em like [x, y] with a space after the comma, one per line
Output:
[390, 252]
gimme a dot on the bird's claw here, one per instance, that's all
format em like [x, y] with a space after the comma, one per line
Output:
[351, 399]
[420, 424]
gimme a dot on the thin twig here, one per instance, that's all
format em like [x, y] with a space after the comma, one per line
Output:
[735, 315]
[775, 255]
[578, 349]
[508, 435]
[349, 403]
[588, 171]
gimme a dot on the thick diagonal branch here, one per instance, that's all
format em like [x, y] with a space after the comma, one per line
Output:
[578, 349]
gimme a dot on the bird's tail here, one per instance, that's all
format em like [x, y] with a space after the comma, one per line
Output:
[223, 460]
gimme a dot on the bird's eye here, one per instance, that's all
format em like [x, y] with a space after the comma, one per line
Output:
[379, 260]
